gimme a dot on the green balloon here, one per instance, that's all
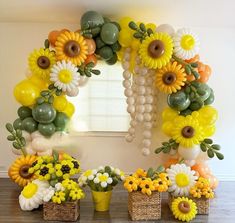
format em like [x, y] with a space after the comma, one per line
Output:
[46, 129]
[24, 112]
[99, 42]
[178, 101]
[210, 99]
[109, 33]
[196, 105]
[116, 47]
[61, 120]
[106, 52]
[29, 125]
[186, 112]
[44, 113]
[91, 19]
[17, 124]
[112, 60]
[206, 89]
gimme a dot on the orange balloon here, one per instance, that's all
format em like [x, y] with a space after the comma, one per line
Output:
[195, 59]
[53, 36]
[190, 78]
[91, 46]
[170, 162]
[64, 30]
[91, 58]
[213, 181]
[203, 77]
[202, 169]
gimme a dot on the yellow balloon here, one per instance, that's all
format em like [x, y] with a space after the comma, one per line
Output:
[69, 109]
[151, 26]
[207, 115]
[124, 22]
[26, 93]
[125, 37]
[135, 44]
[60, 103]
[167, 128]
[41, 84]
[169, 114]
[120, 54]
[209, 131]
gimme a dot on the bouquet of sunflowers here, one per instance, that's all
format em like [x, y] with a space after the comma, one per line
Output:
[148, 181]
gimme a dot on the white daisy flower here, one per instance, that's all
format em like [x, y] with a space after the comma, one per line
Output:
[64, 75]
[186, 44]
[182, 179]
[48, 194]
[117, 171]
[103, 179]
[88, 175]
[32, 195]
[59, 187]
[100, 168]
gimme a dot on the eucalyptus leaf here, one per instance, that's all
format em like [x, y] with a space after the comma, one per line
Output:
[44, 93]
[138, 35]
[51, 99]
[216, 147]
[196, 74]
[55, 155]
[23, 141]
[194, 65]
[150, 172]
[133, 25]
[16, 145]
[187, 69]
[96, 72]
[149, 31]
[18, 133]
[9, 127]
[210, 153]
[160, 169]
[203, 147]
[11, 138]
[158, 150]
[208, 141]
[142, 27]
[46, 43]
[220, 156]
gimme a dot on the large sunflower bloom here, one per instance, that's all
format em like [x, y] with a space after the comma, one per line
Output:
[40, 62]
[187, 131]
[71, 46]
[184, 209]
[171, 78]
[156, 50]
[18, 171]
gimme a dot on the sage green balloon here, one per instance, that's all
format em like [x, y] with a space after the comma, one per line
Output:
[106, 52]
[61, 120]
[210, 99]
[46, 129]
[109, 33]
[112, 60]
[91, 18]
[178, 101]
[17, 124]
[44, 113]
[24, 112]
[206, 89]
[29, 125]
[99, 42]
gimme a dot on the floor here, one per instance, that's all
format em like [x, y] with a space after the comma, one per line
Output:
[222, 207]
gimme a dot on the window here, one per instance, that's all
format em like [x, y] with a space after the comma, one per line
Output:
[101, 104]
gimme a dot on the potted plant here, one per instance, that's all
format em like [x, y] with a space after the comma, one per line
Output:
[101, 181]
[144, 198]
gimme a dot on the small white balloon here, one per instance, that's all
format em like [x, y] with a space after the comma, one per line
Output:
[131, 109]
[42, 144]
[83, 81]
[133, 123]
[149, 80]
[147, 117]
[29, 149]
[189, 153]
[131, 131]
[27, 136]
[149, 99]
[143, 71]
[46, 153]
[136, 69]
[148, 91]
[127, 74]
[126, 83]
[125, 65]
[130, 100]
[146, 142]
[139, 117]
[147, 134]
[141, 80]
[166, 28]
[140, 108]
[129, 138]
[138, 60]
[141, 90]
[141, 99]
[35, 135]
[73, 93]
[148, 125]
[190, 162]
[145, 151]
[128, 92]
[148, 107]
[126, 56]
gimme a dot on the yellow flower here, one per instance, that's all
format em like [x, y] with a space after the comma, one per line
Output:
[160, 185]
[165, 178]
[19, 170]
[147, 186]
[156, 50]
[184, 209]
[196, 192]
[45, 171]
[187, 131]
[47, 159]
[170, 78]
[202, 183]
[208, 193]
[131, 183]
[40, 62]
[58, 197]
[69, 184]
[140, 173]
[76, 194]
[71, 46]
[66, 156]
[65, 169]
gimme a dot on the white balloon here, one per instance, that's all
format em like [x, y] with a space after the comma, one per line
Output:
[147, 134]
[125, 65]
[73, 93]
[141, 99]
[166, 28]
[148, 125]
[136, 69]
[128, 92]
[139, 117]
[128, 50]
[149, 80]
[42, 144]
[147, 117]
[148, 108]
[145, 151]
[131, 109]
[146, 142]
[126, 56]
[149, 99]
[202, 157]
[133, 123]
[189, 153]
[46, 153]
[83, 81]
[190, 162]
[131, 131]
[138, 60]
[126, 83]
[27, 136]
[129, 138]
[143, 71]
[29, 149]
[141, 90]
[130, 100]
[127, 74]
[140, 108]
[141, 80]
[35, 135]
[148, 91]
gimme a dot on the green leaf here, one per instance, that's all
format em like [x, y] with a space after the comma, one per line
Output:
[158, 150]
[51, 99]
[203, 147]
[58, 92]
[220, 156]
[166, 149]
[23, 141]
[9, 127]
[165, 143]
[210, 153]
[16, 145]
[46, 43]
[187, 69]
[216, 147]
[44, 93]
[87, 73]
[150, 172]
[55, 155]
[171, 140]
[196, 74]
[107, 169]
[51, 87]
[133, 25]
[11, 138]
[187, 90]
[138, 35]
[194, 65]
[18, 133]
[142, 27]
[96, 72]
[149, 31]
[160, 169]
[208, 141]
[40, 100]
[90, 65]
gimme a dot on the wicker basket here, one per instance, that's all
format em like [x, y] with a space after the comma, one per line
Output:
[68, 211]
[203, 204]
[144, 207]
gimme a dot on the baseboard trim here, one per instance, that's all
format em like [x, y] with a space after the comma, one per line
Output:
[4, 174]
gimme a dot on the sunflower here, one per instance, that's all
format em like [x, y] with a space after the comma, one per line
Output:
[71, 46]
[131, 183]
[196, 192]
[65, 169]
[208, 193]
[170, 78]
[156, 50]
[18, 171]
[187, 131]
[184, 209]
[182, 179]
[186, 44]
[45, 171]
[41, 61]
[140, 173]
[160, 185]
[147, 186]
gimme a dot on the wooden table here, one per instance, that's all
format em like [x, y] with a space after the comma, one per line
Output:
[222, 207]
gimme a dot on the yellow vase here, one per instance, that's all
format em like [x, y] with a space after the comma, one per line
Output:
[101, 200]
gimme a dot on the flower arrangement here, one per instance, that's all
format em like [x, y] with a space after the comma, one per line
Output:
[147, 182]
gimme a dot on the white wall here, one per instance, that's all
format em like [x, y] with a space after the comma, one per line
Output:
[217, 34]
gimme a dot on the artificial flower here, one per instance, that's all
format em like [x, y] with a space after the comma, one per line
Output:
[187, 131]
[65, 169]
[160, 185]
[89, 174]
[45, 171]
[58, 197]
[186, 44]
[202, 183]
[196, 192]
[104, 179]
[156, 50]
[71, 46]
[32, 195]
[19, 170]
[47, 194]
[41, 62]
[184, 209]
[64, 75]
[170, 78]
[69, 184]
[131, 183]
[140, 173]
[59, 187]
[182, 179]
[208, 193]
[147, 186]
[165, 178]
[76, 194]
